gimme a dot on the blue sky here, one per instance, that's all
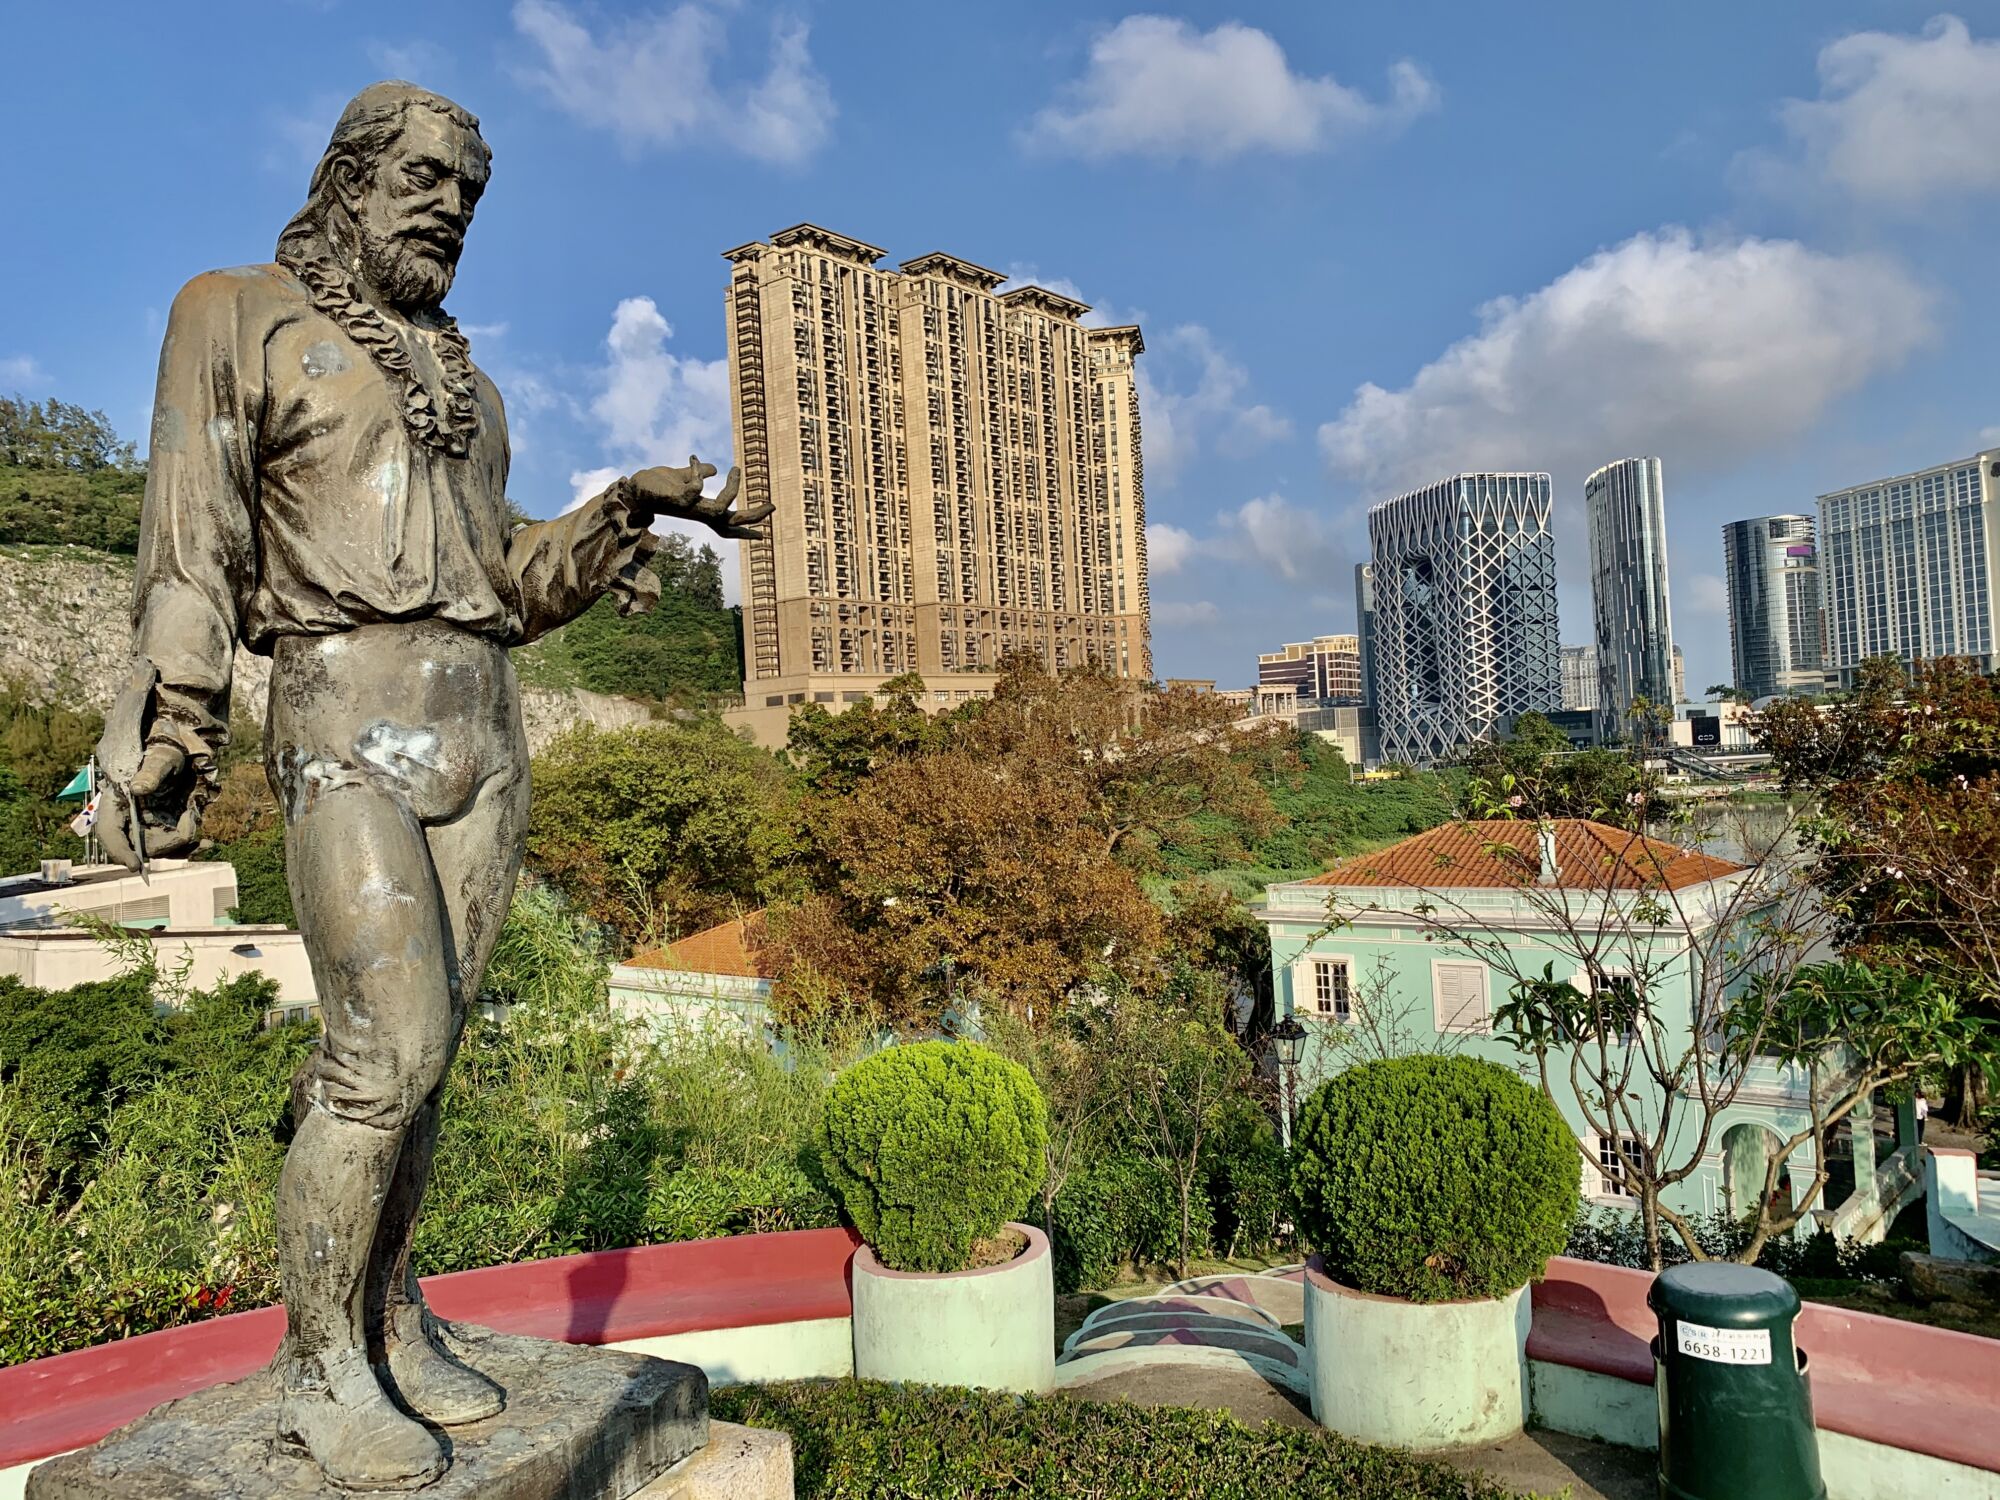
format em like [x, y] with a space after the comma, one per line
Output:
[1369, 244]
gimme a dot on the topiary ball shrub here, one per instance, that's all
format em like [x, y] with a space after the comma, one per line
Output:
[1434, 1179]
[931, 1147]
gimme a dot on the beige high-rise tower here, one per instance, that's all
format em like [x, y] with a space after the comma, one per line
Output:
[956, 474]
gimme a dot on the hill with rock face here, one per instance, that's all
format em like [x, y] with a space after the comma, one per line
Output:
[66, 639]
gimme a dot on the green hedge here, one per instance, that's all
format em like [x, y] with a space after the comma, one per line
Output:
[932, 1146]
[1434, 1178]
[863, 1440]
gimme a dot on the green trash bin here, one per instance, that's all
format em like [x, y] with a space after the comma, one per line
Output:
[1736, 1415]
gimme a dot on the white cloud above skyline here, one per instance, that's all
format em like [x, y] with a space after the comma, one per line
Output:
[21, 371]
[1168, 549]
[1704, 351]
[1191, 395]
[652, 81]
[1157, 86]
[655, 407]
[1901, 120]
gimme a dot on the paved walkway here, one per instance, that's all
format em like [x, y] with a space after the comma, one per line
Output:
[1219, 1343]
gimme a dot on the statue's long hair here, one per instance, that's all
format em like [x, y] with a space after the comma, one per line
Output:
[368, 127]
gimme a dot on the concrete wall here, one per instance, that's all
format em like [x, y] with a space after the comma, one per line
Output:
[1960, 1226]
[173, 893]
[61, 958]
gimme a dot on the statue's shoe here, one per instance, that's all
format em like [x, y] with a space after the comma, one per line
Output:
[346, 1423]
[429, 1379]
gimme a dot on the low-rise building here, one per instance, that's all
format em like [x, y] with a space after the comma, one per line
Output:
[1364, 956]
[719, 976]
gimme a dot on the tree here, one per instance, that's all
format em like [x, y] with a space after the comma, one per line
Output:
[66, 477]
[686, 649]
[1906, 775]
[988, 868]
[1723, 692]
[1177, 1070]
[836, 752]
[1152, 767]
[662, 829]
[1074, 1064]
[1535, 774]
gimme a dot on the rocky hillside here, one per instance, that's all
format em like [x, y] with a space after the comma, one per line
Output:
[65, 634]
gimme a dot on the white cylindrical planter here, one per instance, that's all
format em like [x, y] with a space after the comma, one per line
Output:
[994, 1328]
[1421, 1375]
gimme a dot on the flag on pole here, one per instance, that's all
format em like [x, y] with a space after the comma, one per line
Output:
[80, 785]
[83, 822]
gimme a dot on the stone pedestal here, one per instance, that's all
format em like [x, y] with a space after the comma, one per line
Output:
[739, 1463]
[580, 1424]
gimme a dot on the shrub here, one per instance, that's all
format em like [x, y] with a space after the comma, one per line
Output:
[931, 1147]
[1117, 1212]
[864, 1440]
[1434, 1178]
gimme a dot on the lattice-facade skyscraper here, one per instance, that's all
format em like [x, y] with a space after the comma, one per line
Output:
[957, 474]
[1464, 576]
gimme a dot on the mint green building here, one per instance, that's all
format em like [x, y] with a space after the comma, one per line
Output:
[1412, 949]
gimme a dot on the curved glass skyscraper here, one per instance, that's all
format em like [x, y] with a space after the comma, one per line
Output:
[1625, 503]
[1772, 568]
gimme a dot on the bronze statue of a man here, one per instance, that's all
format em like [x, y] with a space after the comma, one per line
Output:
[327, 486]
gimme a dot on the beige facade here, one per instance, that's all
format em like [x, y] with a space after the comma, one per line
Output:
[1325, 667]
[957, 475]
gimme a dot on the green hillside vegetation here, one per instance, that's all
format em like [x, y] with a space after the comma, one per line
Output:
[65, 477]
[686, 650]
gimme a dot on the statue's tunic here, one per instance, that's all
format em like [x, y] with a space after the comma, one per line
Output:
[286, 496]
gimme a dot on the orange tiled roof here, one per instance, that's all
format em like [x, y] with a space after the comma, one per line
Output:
[1503, 853]
[735, 948]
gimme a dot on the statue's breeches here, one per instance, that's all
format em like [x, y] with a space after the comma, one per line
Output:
[397, 754]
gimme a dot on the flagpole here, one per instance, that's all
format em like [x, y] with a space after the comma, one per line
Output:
[91, 851]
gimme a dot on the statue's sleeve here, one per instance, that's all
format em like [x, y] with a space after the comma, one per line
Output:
[559, 567]
[197, 561]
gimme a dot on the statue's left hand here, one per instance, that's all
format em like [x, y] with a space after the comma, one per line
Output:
[677, 492]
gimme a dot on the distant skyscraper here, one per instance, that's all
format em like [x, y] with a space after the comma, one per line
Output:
[956, 473]
[1579, 677]
[1465, 625]
[1371, 688]
[1680, 674]
[1772, 574]
[1908, 565]
[1325, 669]
[1625, 505]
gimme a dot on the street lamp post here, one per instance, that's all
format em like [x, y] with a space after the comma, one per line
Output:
[1288, 1040]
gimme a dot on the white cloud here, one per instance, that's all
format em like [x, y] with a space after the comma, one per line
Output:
[1706, 593]
[418, 62]
[1900, 119]
[1282, 538]
[651, 81]
[1190, 392]
[19, 371]
[1701, 351]
[483, 330]
[1168, 549]
[1192, 612]
[655, 407]
[1101, 314]
[1156, 86]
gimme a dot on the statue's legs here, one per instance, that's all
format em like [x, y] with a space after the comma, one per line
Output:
[397, 754]
[482, 850]
[368, 906]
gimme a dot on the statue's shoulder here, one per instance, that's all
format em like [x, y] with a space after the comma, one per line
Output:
[239, 291]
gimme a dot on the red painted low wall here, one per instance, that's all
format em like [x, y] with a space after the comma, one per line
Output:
[1905, 1385]
[52, 1405]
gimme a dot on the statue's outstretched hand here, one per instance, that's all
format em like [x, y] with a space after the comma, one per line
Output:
[676, 492]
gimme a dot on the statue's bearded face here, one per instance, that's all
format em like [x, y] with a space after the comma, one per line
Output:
[415, 208]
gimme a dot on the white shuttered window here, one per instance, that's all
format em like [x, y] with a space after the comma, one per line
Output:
[1458, 997]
